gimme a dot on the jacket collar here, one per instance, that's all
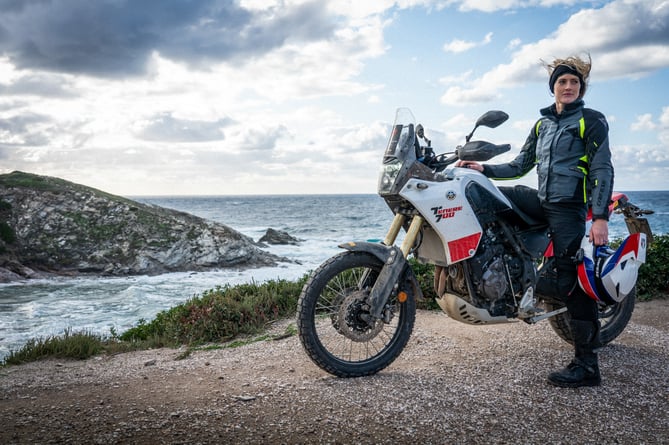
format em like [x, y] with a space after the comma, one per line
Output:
[569, 109]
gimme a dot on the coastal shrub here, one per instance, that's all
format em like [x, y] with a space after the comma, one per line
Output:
[425, 276]
[27, 180]
[79, 345]
[7, 233]
[221, 314]
[653, 281]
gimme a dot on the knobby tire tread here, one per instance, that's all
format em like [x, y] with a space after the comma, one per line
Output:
[609, 331]
[307, 327]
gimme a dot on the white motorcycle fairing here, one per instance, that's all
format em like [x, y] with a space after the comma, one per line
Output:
[451, 217]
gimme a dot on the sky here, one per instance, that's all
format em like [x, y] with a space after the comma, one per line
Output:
[222, 97]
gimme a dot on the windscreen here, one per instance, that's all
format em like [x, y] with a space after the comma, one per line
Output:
[400, 151]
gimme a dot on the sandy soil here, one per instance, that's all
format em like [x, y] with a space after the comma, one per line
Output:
[454, 383]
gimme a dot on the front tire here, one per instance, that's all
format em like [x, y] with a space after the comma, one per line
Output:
[613, 319]
[332, 311]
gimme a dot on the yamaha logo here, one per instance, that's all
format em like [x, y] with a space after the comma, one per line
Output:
[450, 195]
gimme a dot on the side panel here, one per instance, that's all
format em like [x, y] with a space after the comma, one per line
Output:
[445, 207]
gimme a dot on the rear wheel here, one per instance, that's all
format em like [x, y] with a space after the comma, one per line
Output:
[613, 319]
[334, 323]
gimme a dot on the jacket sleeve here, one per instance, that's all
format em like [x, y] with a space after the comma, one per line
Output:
[520, 166]
[600, 171]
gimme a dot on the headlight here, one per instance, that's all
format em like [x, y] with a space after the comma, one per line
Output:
[387, 176]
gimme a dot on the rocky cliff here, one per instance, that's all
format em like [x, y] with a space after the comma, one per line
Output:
[48, 225]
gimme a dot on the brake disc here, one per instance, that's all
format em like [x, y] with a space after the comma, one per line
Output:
[350, 323]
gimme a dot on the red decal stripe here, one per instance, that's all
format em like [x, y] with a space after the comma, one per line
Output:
[464, 247]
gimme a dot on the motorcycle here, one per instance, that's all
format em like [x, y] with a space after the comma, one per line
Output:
[492, 263]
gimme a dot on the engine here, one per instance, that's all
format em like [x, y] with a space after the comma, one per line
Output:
[496, 275]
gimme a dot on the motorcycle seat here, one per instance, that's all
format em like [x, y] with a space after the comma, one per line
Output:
[517, 217]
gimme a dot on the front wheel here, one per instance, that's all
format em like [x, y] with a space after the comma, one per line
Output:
[334, 323]
[613, 319]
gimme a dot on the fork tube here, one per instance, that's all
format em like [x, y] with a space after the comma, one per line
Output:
[412, 234]
[395, 227]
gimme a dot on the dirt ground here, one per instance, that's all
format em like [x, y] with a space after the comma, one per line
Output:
[453, 384]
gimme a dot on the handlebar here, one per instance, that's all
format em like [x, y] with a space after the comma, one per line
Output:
[441, 161]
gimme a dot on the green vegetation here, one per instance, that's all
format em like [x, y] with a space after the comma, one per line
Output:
[653, 281]
[27, 180]
[221, 314]
[55, 185]
[7, 233]
[224, 314]
[70, 345]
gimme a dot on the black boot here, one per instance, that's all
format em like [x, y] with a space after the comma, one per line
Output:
[584, 369]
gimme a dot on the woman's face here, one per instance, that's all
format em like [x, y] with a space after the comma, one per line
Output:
[567, 89]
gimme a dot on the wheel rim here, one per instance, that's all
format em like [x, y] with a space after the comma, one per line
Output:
[340, 318]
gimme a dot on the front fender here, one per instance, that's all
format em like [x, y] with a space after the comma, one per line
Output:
[387, 254]
[395, 268]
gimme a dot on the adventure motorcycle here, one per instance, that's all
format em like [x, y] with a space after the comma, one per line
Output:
[492, 263]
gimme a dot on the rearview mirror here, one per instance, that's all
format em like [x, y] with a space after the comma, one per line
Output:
[492, 119]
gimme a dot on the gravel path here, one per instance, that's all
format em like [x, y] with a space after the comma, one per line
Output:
[454, 384]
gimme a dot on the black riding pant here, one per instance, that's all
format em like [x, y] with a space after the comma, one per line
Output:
[566, 223]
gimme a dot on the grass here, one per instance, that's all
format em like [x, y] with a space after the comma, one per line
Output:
[233, 316]
[78, 345]
[220, 315]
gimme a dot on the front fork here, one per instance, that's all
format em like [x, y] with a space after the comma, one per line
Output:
[412, 232]
[394, 261]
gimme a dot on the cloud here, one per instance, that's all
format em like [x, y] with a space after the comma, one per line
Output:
[44, 85]
[117, 38]
[267, 96]
[644, 122]
[460, 46]
[24, 130]
[640, 166]
[633, 43]
[664, 127]
[644, 165]
[503, 5]
[462, 96]
[255, 139]
[166, 128]
[514, 43]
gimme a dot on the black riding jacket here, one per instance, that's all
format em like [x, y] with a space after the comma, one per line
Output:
[572, 155]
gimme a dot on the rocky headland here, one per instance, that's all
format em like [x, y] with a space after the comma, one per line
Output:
[49, 226]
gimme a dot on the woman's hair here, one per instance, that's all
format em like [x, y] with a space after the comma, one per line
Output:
[575, 63]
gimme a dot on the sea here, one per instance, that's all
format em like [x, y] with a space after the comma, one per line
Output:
[42, 308]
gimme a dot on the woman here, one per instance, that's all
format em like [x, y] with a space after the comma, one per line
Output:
[569, 145]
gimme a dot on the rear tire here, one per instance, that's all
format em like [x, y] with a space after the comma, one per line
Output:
[613, 319]
[331, 313]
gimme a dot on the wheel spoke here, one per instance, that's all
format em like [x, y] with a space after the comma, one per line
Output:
[347, 349]
[334, 318]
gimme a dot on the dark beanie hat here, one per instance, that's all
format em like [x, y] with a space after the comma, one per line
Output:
[560, 70]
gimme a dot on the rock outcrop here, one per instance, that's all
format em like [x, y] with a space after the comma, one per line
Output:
[49, 225]
[273, 236]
